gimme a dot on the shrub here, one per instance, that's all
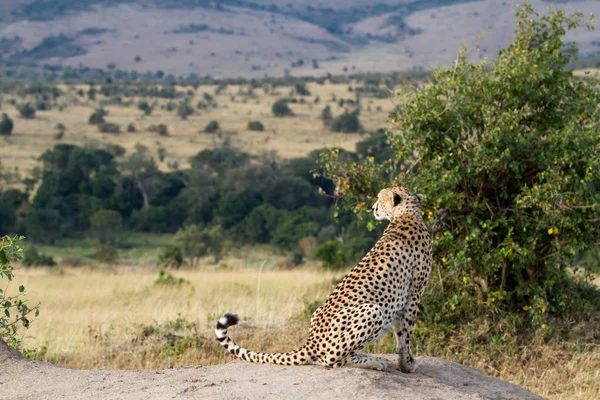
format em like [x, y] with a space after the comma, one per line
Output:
[166, 279]
[281, 108]
[6, 125]
[97, 117]
[14, 311]
[145, 107]
[507, 155]
[106, 225]
[347, 122]
[106, 254]
[211, 127]
[184, 109]
[26, 111]
[255, 126]
[109, 127]
[131, 128]
[171, 256]
[331, 254]
[31, 258]
[161, 129]
[326, 114]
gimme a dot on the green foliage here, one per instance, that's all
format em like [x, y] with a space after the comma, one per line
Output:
[26, 110]
[197, 242]
[255, 126]
[6, 125]
[347, 122]
[106, 225]
[167, 279]
[281, 108]
[331, 254]
[97, 117]
[507, 155]
[106, 254]
[301, 90]
[131, 128]
[171, 256]
[184, 109]
[161, 129]
[32, 258]
[14, 311]
[145, 107]
[326, 115]
[109, 127]
[212, 127]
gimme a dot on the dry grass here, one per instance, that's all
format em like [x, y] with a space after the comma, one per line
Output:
[289, 137]
[88, 313]
[121, 319]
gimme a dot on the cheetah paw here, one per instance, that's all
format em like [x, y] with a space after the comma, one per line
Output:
[408, 364]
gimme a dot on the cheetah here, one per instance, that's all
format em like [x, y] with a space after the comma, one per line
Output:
[382, 292]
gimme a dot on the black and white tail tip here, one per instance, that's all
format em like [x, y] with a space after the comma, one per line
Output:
[225, 322]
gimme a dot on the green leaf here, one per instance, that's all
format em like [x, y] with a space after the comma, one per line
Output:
[21, 289]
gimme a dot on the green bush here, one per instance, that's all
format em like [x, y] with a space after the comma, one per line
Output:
[106, 254]
[255, 126]
[32, 258]
[282, 109]
[171, 256]
[26, 111]
[14, 311]
[331, 254]
[97, 117]
[106, 225]
[507, 155]
[131, 128]
[184, 109]
[109, 127]
[145, 107]
[326, 115]
[347, 122]
[6, 125]
[212, 127]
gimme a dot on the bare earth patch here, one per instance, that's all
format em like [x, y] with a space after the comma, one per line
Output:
[436, 379]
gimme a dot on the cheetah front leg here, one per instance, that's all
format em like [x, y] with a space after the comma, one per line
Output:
[359, 360]
[403, 329]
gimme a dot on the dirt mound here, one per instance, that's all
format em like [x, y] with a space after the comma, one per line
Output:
[436, 379]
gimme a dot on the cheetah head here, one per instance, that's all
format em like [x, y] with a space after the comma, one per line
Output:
[395, 201]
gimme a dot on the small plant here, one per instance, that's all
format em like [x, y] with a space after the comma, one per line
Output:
[6, 125]
[32, 258]
[26, 111]
[212, 127]
[184, 109]
[97, 117]
[145, 107]
[109, 127]
[255, 126]
[165, 278]
[171, 256]
[14, 312]
[347, 123]
[161, 153]
[332, 255]
[131, 128]
[161, 129]
[282, 109]
[326, 115]
[106, 254]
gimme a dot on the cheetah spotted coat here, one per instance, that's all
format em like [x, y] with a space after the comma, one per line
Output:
[380, 294]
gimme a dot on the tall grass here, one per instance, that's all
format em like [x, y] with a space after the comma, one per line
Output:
[124, 319]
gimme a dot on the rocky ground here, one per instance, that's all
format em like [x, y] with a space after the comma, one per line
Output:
[435, 379]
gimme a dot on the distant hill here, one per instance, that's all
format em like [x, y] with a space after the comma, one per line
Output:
[231, 38]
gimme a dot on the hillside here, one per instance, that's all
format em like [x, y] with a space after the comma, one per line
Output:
[259, 38]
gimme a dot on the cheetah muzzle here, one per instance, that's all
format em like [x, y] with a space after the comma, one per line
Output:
[381, 293]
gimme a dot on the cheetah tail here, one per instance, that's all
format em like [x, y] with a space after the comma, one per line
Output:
[296, 357]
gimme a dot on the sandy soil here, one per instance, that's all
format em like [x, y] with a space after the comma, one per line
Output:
[436, 379]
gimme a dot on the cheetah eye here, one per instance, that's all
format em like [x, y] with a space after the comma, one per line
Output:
[397, 199]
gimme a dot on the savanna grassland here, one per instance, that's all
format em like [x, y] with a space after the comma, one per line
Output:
[233, 108]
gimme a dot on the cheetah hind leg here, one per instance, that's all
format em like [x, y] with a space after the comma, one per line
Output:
[359, 360]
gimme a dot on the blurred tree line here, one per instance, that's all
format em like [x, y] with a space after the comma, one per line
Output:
[225, 193]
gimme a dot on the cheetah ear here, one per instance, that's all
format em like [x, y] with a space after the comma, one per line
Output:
[397, 199]
[420, 197]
